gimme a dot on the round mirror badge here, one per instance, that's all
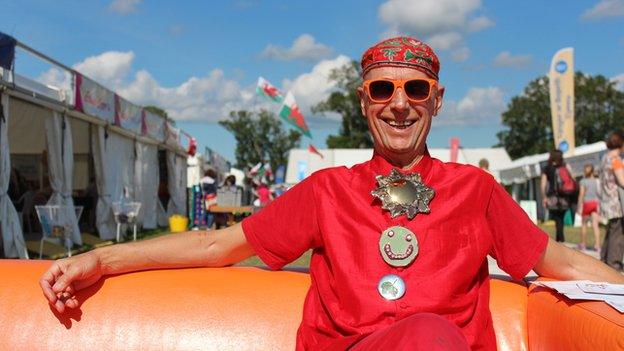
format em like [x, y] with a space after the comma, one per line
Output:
[391, 287]
[398, 246]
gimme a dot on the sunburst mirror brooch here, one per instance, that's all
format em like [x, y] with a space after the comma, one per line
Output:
[403, 194]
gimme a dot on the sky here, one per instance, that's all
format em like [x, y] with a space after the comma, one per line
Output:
[199, 60]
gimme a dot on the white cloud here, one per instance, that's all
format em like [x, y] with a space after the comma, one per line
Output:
[313, 87]
[209, 98]
[441, 23]
[604, 9]
[619, 81]
[124, 7]
[304, 48]
[506, 59]
[445, 41]
[108, 68]
[480, 106]
[479, 23]
[57, 78]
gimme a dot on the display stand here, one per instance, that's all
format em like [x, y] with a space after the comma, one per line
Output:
[126, 214]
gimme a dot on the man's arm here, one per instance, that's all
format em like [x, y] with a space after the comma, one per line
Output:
[191, 249]
[562, 263]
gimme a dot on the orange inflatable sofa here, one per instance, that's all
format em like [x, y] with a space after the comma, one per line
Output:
[246, 308]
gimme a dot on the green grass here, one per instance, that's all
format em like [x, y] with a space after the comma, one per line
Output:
[573, 234]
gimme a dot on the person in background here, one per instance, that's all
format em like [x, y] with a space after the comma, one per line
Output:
[230, 182]
[209, 190]
[556, 203]
[588, 206]
[264, 194]
[484, 164]
[611, 208]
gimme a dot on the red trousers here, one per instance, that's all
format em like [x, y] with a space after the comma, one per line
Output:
[423, 331]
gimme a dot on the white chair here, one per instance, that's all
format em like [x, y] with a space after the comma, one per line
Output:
[126, 214]
[57, 225]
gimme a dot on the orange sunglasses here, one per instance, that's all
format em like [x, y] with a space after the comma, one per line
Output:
[383, 90]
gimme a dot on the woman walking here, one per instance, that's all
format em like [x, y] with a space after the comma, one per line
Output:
[556, 195]
[588, 206]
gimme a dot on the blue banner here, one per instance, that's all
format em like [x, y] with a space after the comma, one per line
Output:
[7, 51]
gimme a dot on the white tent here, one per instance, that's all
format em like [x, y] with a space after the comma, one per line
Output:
[10, 228]
[70, 140]
[61, 167]
[146, 183]
[529, 167]
[302, 163]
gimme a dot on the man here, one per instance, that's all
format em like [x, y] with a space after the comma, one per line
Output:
[400, 242]
[611, 204]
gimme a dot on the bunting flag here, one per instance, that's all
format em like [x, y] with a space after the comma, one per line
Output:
[290, 113]
[269, 91]
[254, 170]
[314, 150]
[260, 171]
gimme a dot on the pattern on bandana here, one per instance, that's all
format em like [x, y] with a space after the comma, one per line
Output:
[402, 51]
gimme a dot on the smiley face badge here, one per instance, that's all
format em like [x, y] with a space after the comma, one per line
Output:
[398, 246]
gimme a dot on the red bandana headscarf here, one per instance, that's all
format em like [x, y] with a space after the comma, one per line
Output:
[402, 52]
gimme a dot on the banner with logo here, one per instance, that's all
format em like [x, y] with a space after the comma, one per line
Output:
[127, 114]
[95, 100]
[562, 99]
[153, 125]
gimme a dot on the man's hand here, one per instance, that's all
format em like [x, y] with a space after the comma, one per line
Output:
[67, 276]
[192, 249]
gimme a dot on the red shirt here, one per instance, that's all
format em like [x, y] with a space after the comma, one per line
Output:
[334, 213]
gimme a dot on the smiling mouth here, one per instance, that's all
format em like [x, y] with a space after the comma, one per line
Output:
[393, 256]
[399, 124]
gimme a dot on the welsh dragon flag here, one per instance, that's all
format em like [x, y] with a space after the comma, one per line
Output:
[290, 113]
[269, 91]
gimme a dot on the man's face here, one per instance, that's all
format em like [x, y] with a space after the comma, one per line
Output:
[399, 126]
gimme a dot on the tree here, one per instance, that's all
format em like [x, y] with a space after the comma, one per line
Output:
[345, 102]
[260, 138]
[599, 108]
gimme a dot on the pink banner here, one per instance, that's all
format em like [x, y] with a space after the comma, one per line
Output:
[454, 149]
[95, 100]
[153, 126]
[127, 114]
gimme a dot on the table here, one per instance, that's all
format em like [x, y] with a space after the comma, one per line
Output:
[231, 210]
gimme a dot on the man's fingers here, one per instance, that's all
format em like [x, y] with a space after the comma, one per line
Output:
[59, 306]
[72, 302]
[47, 290]
[66, 279]
[48, 279]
